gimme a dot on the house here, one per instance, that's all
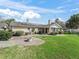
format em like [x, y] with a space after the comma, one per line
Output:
[36, 28]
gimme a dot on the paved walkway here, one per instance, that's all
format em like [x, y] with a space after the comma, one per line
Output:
[4, 44]
[20, 41]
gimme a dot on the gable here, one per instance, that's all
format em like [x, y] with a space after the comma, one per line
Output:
[55, 25]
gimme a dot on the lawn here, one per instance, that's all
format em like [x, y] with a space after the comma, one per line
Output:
[55, 47]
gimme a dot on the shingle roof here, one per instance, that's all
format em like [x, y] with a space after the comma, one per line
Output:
[20, 24]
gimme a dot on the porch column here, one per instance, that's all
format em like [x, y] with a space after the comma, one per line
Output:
[44, 30]
[49, 30]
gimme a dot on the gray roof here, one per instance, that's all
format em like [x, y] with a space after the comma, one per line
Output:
[20, 24]
[29, 25]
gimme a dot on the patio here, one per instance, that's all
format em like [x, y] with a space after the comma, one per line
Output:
[20, 41]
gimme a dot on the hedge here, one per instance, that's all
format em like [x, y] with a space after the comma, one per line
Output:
[5, 35]
[18, 33]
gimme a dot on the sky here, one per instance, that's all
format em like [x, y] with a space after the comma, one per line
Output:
[38, 11]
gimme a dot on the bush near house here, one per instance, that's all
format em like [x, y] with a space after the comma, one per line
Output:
[5, 35]
[52, 33]
[26, 33]
[71, 32]
[18, 33]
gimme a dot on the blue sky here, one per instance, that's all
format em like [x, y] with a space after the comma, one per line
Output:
[38, 11]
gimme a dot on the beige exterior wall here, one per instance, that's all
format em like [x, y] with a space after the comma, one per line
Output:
[21, 29]
[25, 29]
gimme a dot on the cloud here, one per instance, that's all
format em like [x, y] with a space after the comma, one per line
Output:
[15, 14]
[10, 12]
[20, 6]
[61, 19]
[60, 7]
[30, 15]
[75, 9]
[53, 20]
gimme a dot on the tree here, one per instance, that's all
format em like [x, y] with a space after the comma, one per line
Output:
[8, 23]
[73, 22]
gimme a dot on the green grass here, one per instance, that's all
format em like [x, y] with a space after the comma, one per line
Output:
[55, 47]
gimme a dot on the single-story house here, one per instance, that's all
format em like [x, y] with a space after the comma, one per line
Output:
[36, 28]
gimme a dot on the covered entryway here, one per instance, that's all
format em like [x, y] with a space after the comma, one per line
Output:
[43, 30]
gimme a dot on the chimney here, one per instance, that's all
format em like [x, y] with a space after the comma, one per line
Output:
[49, 22]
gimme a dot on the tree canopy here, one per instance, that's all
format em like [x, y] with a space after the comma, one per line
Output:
[8, 23]
[73, 22]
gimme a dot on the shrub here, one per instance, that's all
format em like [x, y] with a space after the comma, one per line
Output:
[71, 32]
[5, 35]
[61, 32]
[18, 33]
[52, 33]
[75, 33]
[26, 33]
